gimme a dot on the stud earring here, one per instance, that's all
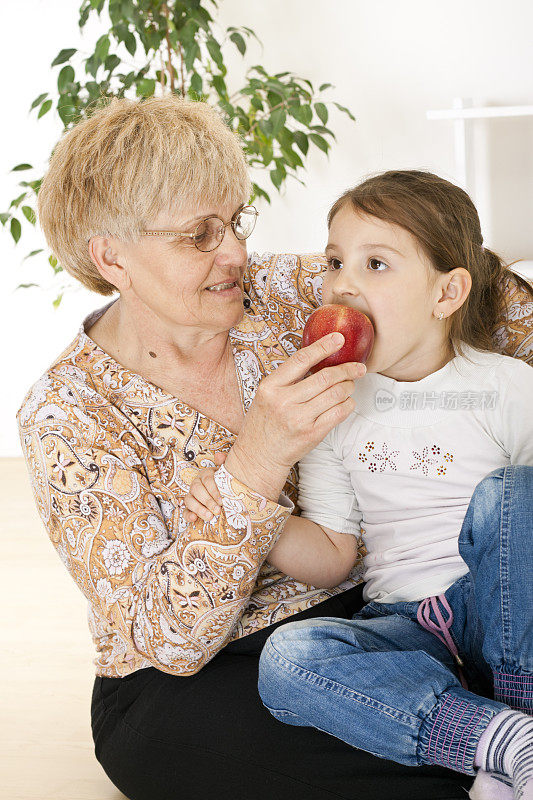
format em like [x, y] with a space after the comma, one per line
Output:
[441, 316]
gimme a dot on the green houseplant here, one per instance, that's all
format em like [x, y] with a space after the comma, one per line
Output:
[178, 46]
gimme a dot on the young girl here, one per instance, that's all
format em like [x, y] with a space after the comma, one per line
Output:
[449, 611]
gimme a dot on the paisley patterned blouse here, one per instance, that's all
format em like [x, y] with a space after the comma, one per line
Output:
[111, 457]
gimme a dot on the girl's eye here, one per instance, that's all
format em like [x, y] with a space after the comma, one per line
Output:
[374, 261]
[334, 263]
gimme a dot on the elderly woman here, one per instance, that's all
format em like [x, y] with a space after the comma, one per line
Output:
[197, 357]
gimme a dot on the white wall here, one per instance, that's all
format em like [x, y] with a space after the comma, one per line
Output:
[390, 61]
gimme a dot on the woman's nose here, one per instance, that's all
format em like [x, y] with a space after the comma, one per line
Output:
[231, 248]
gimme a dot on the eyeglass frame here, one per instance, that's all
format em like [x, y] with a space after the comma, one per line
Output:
[225, 225]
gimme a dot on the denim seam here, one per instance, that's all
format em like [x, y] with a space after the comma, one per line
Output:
[508, 481]
[345, 691]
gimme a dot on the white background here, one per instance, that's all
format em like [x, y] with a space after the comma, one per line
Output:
[391, 61]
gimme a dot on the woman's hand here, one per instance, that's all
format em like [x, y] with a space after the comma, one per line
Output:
[291, 413]
[204, 499]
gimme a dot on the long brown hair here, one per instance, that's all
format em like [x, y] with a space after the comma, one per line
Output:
[444, 220]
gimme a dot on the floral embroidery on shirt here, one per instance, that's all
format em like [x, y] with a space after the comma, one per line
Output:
[424, 461]
[384, 458]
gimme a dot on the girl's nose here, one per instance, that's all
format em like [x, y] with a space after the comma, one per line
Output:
[344, 287]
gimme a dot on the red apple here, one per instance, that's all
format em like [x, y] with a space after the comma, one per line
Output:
[355, 326]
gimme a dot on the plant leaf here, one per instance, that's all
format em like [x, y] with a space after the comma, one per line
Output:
[220, 86]
[276, 176]
[18, 200]
[63, 56]
[67, 113]
[131, 43]
[15, 229]
[319, 141]
[302, 113]
[58, 300]
[213, 48]
[29, 213]
[4, 217]
[345, 111]
[146, 87]
[38, 100]
[278, 118]
[197, 84]
[322, 112]
[67, 75]
[111, 63]
[265, 126]
[258, 192]
[239, 42]
[45, 108]
[102, 48]
[33, 253]
[302, 141]
[26, 285]
[20, 167]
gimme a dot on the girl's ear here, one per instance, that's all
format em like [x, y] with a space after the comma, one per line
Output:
[454, 289]
[103, 252]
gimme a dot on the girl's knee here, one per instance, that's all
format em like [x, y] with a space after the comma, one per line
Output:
[489, 489]
[295, 637]
[304, 643]
[505, 494]
[514, 478]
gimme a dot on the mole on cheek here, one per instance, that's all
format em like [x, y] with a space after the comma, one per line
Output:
[151, 353]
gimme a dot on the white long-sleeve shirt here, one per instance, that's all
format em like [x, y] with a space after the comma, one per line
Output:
[402, 468]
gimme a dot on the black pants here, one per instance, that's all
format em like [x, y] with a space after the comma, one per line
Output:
[208, 736]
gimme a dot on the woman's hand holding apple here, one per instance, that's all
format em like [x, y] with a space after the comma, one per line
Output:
[355, 326]
[290, 414]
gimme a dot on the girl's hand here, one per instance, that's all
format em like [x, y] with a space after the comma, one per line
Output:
[290, 414]
[204, 499]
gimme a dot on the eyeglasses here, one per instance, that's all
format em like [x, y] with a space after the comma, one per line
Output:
[210, 232]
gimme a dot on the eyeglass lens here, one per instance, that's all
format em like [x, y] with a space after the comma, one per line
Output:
[210, 232]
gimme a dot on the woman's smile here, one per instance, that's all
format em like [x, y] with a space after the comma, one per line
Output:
[228, 289]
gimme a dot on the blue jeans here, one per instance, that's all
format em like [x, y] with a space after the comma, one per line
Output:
[384, 684]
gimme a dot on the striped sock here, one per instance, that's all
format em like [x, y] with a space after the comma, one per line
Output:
[506, 747]
[491, 786]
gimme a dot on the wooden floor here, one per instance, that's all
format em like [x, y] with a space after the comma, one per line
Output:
[46, 673]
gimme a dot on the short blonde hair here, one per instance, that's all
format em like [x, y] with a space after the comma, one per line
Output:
[127, 162]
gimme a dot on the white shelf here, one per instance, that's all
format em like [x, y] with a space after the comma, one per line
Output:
[481, 112]
[472, 152]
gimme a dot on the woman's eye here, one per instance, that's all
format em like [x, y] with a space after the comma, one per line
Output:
[381, 265]
[180, 242]
[334, 263]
